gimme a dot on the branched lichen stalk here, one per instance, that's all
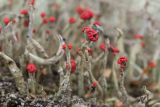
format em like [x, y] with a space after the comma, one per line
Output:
[98, 57]
[39, 48]
[102, 77]
[115, 77]
[89, 69]
[30, 27]
[15, 71]
[81, 75]
[51, 60]
[123, 90]
[64, 89]
[43, 61]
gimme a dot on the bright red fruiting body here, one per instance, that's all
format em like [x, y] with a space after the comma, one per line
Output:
[34, 30]
[102, 46]
[114, 50]
[78, 50]
[73, 65]
[70, 46]
[86, 15]
[6, 20]
[151, 64]
[97, 23]
[94, 84]
[86, 88]
[24, 12]
[64, 46]
[52, 19]
[72, 20]
[90, 50]
[91, 33]
[31, 68]
[47, 31]
[32, 2]
[43, 14]
[122, 62]
[138, 36]
[143, 44]
[45, 21]
[0, 29]
[26, 23]
[14, 20]
[79, 10]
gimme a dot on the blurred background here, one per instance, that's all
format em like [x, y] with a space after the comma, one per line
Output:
[135, 15]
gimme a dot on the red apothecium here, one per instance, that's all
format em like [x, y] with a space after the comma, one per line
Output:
[151, 64]
[52, 19]
[102, 46]
[94, 84]
[24, 12]
[79, 10]
[122, 60]
[91, 33]
[72, 20]
[70, 46]
[138, 36]
[6, 20]
[31, 68]
[86, 14]
[43, 14]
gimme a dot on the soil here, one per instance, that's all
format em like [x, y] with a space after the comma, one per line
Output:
[10, 97]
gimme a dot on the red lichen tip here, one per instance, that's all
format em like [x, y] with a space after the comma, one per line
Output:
[79, 10]
[6, 20]
[73, 66]
[152, 64]
[26, 23]
[72, 20]
[97, 23]
[48, 32]
[86, 14]
[64, 46]
[90, 51]
[0, 29]
[43, 14]
[122, 60]
[91, 33]
[34, 30]
[114, 50]
[24, 12]
[94, 84]
[52, 19]
[14, 21]
[31, 68]
[142, 44]
[70, 46]
[138, 36]
[32, 2]
[102, 46]
[45, 21]
[78, 50]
